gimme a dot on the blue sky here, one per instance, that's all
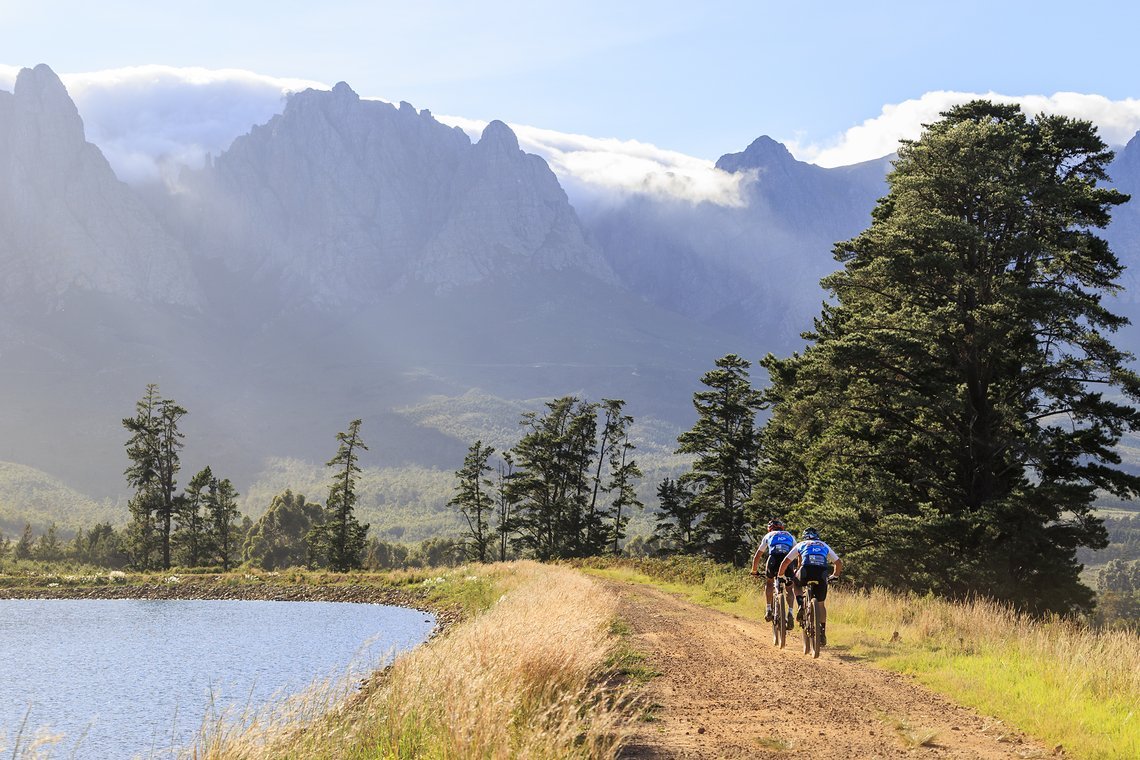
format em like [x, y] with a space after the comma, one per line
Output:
[699, 78]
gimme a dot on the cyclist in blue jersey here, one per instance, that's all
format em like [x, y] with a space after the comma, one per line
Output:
[777, 542]
[813, 557]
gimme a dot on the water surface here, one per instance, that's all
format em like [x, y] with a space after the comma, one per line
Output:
[127, 678]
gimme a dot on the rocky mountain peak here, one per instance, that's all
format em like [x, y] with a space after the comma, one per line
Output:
[342, 200]
[342, 91]
[67, 224]
[498, 136]
[764, 152]
[41, 99]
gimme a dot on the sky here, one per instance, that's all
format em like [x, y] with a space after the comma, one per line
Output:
[681, 82]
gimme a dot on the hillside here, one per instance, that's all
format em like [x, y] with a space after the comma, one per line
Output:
[30, 496]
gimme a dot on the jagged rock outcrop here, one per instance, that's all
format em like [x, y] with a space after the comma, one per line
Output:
[339, 201]
[67, 225]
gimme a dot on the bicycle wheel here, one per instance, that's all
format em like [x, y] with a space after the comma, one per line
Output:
[779, 621]
[815, 627]
[808, 624]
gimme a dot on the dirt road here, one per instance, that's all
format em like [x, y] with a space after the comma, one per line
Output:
[715, 699]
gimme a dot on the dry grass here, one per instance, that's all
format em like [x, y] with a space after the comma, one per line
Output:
[910, 736]
[523, 679]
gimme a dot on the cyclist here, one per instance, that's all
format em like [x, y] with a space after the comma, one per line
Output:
[777, 542]
[813, 557]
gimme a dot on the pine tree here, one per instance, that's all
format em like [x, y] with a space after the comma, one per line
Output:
[505, 502]
[725, 444]
[340, 540]
[49, 548]
[26, 543]
[277, 539]
[679, 527]
[552, 481]
[223, 536]
[169, 445]
[952, 419]
[623, 474]
[473, 498]
[153, 449]
[143, 475]
[191, 537]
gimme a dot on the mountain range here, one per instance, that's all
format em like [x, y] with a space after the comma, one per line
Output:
[351, 258]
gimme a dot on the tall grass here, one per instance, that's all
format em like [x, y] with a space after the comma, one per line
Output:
[525, 678]
[1055, 679]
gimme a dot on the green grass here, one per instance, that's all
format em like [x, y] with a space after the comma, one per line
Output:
[626, 661]
[1056, 680]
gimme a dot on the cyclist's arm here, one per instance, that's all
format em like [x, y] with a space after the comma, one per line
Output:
[794, 554]
[838, 568]
[759, 553]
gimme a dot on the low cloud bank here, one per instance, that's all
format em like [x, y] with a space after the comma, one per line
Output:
[150, 119]
[1117, 120]
[608, 169]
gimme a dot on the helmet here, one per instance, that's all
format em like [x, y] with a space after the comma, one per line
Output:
[811, 534]
[775, 524]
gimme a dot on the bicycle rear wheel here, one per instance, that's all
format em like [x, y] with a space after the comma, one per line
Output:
[808, 624]
[815, 626]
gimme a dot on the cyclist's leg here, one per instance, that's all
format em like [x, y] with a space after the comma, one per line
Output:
[771, 568]
[798, 590]
[789, 598]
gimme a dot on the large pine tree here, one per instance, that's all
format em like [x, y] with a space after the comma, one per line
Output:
[474, 499]
[339, 541]
[957, 409]
[723, 440]
[153, 449]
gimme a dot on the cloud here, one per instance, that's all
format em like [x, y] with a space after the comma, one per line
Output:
[1117, 120]
[148, 118]
[608, 168]
[8, 77]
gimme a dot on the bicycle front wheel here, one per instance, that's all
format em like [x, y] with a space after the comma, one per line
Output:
[816, 636]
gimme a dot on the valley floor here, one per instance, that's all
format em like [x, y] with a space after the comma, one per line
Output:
[715, 695]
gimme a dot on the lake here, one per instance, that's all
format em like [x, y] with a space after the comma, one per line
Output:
[127, 678]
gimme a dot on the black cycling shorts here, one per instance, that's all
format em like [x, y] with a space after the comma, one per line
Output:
[814, 573]
[773, 566]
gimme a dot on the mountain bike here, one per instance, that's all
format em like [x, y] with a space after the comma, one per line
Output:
[811, 625]
[781, 610]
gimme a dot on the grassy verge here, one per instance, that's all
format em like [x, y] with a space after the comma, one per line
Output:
[1059, 681]
[527, 676]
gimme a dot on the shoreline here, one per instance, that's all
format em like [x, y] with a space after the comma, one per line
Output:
[193, 590]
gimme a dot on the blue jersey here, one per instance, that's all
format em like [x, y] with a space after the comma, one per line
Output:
[815, 553]
[777, 542]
